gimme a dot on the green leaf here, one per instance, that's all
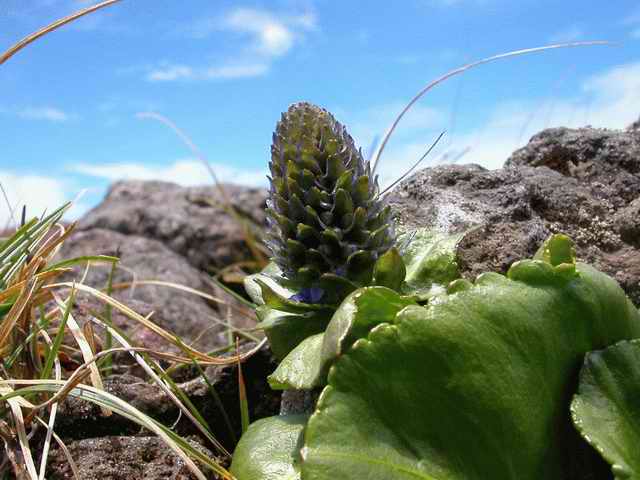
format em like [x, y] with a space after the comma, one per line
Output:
[4, 308]
[389, 270]
[475, 386]
[307, 365]
[285, 330]
[606, 409]
[301, 368]
[269, 450]
[273, 277]
[430, 259]
[558, 249]
[357, 315]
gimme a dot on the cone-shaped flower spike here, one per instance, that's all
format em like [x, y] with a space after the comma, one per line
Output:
[327, 223]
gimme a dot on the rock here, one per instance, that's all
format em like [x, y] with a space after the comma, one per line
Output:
[585, 183]
[261, 399]
[79, 419]
[635, 126]
[191, 221]
[182, 313]
[121, 458]
[608, 161]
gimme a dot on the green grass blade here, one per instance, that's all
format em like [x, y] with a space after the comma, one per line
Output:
[57, 342]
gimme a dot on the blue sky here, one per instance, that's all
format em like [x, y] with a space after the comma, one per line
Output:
[223, 72]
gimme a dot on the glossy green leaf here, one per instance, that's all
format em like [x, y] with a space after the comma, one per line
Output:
[285, 330]
[275, 300]
[307, 364]
[606, 409]
[558, 249]
[390, 270]
[272, 276]
[475, 386]
[357, 315]
[301, 368]
[430, 259]
[269, 450]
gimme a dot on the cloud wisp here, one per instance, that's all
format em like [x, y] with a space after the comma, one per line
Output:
[47, 113]
[186, 172]
[266, 36]
[572, 33]
[606, 100]
[227, 71]
[37, 193]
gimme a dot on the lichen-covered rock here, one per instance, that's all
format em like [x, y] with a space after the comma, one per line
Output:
[585, 183]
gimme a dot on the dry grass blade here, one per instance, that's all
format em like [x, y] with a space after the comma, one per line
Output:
[160, 382]
[202, 358]
[177, 286]
[65, 451]
[85, 348]
[52, 415]
[76, 378]
[51, 27]
[11, 319]
[242, 396]
[18, 286]
[464, 68]
[107, 400]
[23, 440]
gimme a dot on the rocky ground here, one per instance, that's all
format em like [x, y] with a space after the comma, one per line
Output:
[583, 182]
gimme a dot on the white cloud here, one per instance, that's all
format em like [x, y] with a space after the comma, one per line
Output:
[51, 114]
[270, 35]
[169, 73]
[570, 34]
[38, 193]
[237, 71]
[455, 3]
[185, 172]
[224, 72]
[632, 18]
[607, 100]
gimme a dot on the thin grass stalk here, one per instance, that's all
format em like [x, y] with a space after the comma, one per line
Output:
[201, 357]
[52, 416]
[161, 383]
[87, 353]
[242, 393]
[249, 237]
[111, 402]
[50, 28]
[108, 342]
[459, 70]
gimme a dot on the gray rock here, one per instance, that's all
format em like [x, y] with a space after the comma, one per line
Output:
[585, 183]
[635, 126]
[189, 316]
[191, 221]
[606, 161]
